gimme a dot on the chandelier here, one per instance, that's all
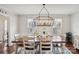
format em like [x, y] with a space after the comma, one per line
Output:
[44, 20]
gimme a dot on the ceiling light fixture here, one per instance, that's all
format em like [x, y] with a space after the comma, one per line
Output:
[44, 20]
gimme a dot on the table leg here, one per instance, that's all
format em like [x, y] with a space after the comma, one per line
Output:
[16, 49]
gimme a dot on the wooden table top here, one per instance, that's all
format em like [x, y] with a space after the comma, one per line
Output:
[39, 41]
[58, 41]
[17, 42]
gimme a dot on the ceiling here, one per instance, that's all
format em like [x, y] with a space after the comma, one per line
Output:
[21, 9]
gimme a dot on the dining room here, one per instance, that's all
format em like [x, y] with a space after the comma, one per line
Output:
[39, 29]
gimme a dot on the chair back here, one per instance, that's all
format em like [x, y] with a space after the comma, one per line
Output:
[20, 39]
[46, 45]
[29, 45]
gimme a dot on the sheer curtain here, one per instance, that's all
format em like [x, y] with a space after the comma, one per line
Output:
[57, 29]
[30, 26]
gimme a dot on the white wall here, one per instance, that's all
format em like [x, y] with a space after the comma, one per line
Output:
[75, 29]
[12, 26]
[22, 24]
[75, 23]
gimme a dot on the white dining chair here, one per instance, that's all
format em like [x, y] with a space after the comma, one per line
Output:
[46, 45]
[29, 45]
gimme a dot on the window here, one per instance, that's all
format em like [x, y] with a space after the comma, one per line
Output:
[57, 26]
[30, 26]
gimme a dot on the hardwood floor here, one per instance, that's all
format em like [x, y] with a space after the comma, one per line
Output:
[71, 48]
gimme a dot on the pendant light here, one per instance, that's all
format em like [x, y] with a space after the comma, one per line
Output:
[44, 20]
